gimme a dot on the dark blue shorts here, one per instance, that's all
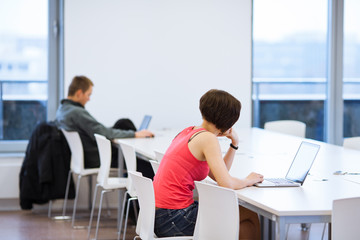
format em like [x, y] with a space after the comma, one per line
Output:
[176, 222]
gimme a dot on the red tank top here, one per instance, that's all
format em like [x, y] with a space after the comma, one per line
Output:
[174, 180]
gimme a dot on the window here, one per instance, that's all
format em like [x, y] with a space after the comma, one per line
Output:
[351, 69]
[25, 76]
[290, 62]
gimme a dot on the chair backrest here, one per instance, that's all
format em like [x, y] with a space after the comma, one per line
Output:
[104, 147]
[129, 155]
[146, 197]
[352, 142]
[77, 151]
[155, 165]
[130, 160]
[218, 214]
[345, 218]
[158, 155]
[291, 127]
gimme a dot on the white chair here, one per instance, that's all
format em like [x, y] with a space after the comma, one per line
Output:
[146, 197]
[77, 167]
[158, 155]
[155, 165]
[345, 219]
[130, 160]
[218, 215]
[107, 183]
[291, 127]
[352, 142]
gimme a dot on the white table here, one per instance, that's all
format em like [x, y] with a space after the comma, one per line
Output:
[146, 146]
[271, 154]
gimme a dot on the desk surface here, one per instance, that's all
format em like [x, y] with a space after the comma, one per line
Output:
[271, 154]
[146, 146]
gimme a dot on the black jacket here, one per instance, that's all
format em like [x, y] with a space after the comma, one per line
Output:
[45, 168]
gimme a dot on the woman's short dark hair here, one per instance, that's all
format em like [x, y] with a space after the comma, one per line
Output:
[220, 108]
[79, 82]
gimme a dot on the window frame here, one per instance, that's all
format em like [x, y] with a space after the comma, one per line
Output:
[334, 110]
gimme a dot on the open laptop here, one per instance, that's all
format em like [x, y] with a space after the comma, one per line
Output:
[145, 122]
[298, 170]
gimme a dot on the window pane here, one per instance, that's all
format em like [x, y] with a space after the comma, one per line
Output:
[289, 62]
[351, 87]
[23, 67]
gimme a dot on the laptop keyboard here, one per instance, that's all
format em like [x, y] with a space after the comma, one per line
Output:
[279, 181]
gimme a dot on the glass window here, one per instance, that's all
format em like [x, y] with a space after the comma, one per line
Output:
[289, 62]
[23, 67]
[351, 69]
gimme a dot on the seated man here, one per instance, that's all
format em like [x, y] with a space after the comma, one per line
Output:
[72, 116]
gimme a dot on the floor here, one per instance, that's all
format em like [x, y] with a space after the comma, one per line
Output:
[30, 225]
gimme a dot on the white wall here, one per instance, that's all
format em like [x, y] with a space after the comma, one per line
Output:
[159, 56]
[152, 56]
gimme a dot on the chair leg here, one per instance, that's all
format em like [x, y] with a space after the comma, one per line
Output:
[49, 210]
[135, 210]
[99, 214]
[76, 200]
[108, 206]
[66, 193]
[90, 189]
[122, 215]
[92, 209]
[127, 215]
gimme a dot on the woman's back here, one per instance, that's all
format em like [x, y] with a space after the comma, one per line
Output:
[174, 181]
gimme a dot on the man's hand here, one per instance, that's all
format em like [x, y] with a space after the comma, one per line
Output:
[143, 134]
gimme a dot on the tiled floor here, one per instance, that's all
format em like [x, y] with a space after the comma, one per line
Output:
[29, 225]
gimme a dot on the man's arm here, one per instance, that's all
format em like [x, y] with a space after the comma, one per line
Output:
[91, 126]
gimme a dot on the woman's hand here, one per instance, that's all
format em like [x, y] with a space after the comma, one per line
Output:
[232, 135]
[253, 178]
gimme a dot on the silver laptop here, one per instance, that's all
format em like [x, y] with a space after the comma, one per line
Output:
[298, 170]
[145, 122]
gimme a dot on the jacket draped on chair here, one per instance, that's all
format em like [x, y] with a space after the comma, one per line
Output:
[45, 168]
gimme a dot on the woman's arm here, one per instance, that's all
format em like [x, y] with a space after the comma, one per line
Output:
[230, 154]
[206, 147]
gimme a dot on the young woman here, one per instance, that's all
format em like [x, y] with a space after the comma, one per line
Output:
[193, 155]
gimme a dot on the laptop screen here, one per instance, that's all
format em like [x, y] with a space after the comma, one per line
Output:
[145, 122]
[302, 162]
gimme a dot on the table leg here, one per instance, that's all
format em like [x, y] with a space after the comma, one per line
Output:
[280, 228]
[267, 228]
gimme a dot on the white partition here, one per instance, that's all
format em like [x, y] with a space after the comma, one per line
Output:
[158, 56]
